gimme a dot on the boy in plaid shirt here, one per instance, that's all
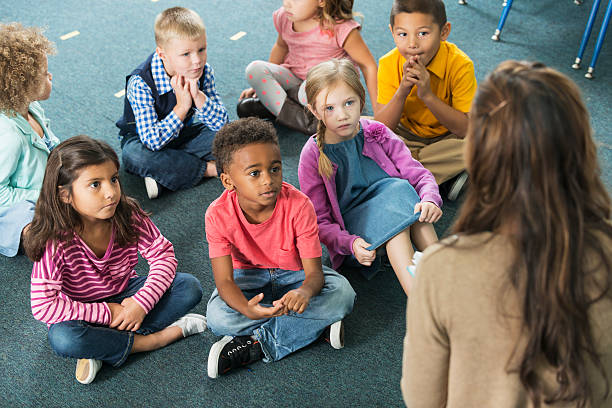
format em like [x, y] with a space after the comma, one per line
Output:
[172, 110]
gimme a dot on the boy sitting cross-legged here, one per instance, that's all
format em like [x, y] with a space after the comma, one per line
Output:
[172, 109]
[425, 89]
[273, 296]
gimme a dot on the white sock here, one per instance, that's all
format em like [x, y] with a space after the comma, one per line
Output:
[191, 323]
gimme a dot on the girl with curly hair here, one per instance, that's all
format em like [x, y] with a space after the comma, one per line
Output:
[24, 128]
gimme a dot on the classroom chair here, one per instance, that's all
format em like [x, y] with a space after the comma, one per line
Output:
[600, 37]
[507, 4]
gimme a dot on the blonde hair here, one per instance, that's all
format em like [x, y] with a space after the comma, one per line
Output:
[327, 75]
[178, 22]
[22, 56]
[334, 12]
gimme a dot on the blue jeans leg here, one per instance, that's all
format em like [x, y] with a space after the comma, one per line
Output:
[179, 165]
[80, 339]
[280, 336]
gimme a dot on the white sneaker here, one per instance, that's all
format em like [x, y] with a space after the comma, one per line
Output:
[152, 188]
[191, 323]
[334, 334]
[86, 370]
[457, 187]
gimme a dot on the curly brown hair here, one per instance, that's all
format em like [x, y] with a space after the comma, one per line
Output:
[22, 56]
[239, 133]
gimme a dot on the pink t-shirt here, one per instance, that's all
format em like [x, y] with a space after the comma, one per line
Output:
[291, 232]
[309, 48]
[69, 280]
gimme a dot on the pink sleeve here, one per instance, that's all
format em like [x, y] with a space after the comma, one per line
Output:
[343, 30]
[49, 304]
[307, 231]
[218, 245]
[412, 170]
[335, 238]
[159, 253]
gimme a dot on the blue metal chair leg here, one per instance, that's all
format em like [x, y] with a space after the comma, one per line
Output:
[587, 33]
[502, 20]
[600, 40]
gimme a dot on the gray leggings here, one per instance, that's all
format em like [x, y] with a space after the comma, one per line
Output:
[271, 81]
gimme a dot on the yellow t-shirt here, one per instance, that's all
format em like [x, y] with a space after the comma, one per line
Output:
[452, 80]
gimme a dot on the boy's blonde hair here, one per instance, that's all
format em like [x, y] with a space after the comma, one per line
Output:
[178, 22]
[22, 55]
[327, 75]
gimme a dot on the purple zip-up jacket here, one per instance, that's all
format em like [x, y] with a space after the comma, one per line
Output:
[390, 153]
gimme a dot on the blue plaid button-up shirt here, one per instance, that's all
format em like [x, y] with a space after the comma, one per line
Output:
[155, 133]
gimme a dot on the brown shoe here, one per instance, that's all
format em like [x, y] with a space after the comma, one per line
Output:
[297, 117]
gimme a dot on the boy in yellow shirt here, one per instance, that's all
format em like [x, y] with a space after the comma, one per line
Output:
[425, 90]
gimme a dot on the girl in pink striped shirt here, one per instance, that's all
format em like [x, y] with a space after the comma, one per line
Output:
[84, 240]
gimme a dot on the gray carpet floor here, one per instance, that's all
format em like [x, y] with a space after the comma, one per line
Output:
[88, 70]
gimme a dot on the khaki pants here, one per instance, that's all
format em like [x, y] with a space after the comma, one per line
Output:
[442, 155]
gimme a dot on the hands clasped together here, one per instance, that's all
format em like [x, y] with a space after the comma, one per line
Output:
[187, 92]
[415, 73]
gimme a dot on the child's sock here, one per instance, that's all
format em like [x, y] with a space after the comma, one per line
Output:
[415, 260]
[191, 323]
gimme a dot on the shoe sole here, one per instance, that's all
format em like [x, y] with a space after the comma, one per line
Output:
[213, 356]
[86, 370]
[457, 186]
[152, 188]
[336, 335]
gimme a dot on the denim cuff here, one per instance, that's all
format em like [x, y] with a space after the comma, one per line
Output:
[127, 350]
[258, 334]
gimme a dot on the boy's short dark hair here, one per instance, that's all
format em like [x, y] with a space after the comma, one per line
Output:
[434, 8]
[235, 135]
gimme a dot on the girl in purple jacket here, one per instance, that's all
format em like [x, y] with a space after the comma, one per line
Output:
[367, 190]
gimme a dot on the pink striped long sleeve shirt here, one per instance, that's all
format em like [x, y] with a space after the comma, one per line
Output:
[69, 280]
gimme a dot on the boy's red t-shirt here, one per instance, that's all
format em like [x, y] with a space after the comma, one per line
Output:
[291, 232]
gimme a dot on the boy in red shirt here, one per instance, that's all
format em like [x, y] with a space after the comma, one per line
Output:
[273, 296]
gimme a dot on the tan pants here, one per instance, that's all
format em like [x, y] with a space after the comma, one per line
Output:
[442, 155]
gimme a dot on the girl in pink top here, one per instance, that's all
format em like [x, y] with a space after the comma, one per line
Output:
[84, 240]
[309, 32]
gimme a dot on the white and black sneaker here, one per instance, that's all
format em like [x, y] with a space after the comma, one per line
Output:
[232, 352]
[152, 188]
[334, 334]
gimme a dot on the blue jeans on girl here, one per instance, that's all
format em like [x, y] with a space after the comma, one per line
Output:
[285, 334]
[80, 339]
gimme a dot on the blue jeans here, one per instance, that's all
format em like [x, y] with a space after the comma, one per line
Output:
[179, 165]
[285, 334]
[80, 339]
